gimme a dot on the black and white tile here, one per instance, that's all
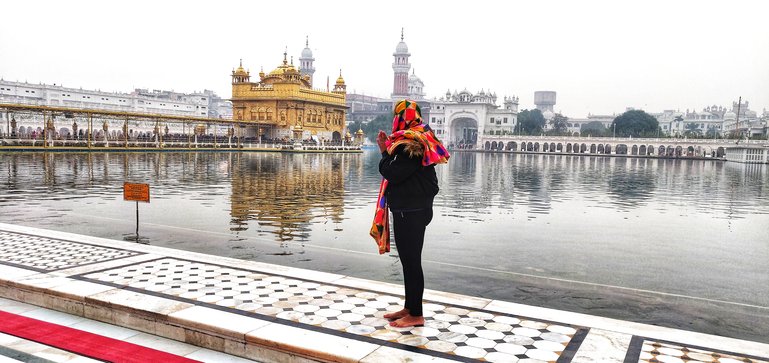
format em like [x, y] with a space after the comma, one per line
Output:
[456, 331]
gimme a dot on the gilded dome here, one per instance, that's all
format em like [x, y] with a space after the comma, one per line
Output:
[240, 70]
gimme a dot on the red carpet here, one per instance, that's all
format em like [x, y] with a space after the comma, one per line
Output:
[81, 342]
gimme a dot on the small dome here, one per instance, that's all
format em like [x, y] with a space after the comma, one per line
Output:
[240, 70]
[402, 47]
[413, 77]
[548, 115]
[359, 132]
[730, 116]
[306, 53]
[340, 80]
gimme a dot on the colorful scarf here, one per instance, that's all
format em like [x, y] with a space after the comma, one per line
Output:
[407, 127]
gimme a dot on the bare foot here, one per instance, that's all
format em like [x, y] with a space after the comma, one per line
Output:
[408, 321]
[397, 315]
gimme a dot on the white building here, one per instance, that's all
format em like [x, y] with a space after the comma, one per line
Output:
[462, 118]
[198, 104]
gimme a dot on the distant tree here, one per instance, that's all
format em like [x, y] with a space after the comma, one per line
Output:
[635, 123]
[559, 125]
[692, 130]
[530, 122]
[593, 128]
[712, 133]
[381, 122]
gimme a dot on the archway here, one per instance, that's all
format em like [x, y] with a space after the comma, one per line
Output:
[464, 130]
[621, 149]
[559, 148]
[600, 148]
[634, 150]
[568, 148]
[607, 149]
[511, 146]
[582, 148]
[720, 152]
[487, 146]
[536, 146]
[336, 136]
[593, 148]
[545, 147]
[661, 150]
[642, 150]
[493, 145]
[552, 147]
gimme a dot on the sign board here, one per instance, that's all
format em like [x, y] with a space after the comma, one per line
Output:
[137, 192]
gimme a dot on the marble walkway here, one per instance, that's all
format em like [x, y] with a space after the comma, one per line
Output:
[275, 313]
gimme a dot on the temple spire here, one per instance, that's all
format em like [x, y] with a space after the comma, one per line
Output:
[401, 34]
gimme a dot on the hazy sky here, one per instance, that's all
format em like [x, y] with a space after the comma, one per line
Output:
[600, 56]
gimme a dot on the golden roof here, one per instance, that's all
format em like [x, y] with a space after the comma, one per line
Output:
[240, 70]
[340, 80]
[359, 132]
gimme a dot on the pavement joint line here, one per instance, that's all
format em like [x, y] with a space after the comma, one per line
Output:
[548, 278]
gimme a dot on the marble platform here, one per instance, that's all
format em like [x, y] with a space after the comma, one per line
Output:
[275, 313]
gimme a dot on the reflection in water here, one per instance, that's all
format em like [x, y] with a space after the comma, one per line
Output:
[285, 194]
[287, 191]
[698, 227]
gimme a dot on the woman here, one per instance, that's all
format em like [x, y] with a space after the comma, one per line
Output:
[408, 187]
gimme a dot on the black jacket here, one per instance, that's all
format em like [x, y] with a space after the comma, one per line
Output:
[411, 186]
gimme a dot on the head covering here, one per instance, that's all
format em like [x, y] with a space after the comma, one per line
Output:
[407, 128]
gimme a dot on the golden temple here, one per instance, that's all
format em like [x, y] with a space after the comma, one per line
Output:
[283, 105]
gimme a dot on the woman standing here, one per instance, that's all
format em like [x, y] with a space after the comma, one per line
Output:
[408, 187]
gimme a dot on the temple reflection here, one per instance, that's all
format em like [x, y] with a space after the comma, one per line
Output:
[284, 193]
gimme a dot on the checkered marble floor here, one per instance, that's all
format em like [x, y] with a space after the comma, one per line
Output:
[285, 303]
[453, 331]
[48, 254]
[652, 351]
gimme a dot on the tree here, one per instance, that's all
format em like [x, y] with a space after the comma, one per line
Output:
[693, 130]
[530, 122]
[559, 125]
[712, 132]
[594, 128]
[635, 123]
[371, 128]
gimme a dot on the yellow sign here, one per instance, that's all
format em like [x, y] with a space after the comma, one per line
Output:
[137, 192]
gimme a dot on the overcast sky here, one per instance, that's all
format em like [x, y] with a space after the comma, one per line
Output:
[599, 56]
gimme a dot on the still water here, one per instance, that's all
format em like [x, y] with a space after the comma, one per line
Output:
[539, 229]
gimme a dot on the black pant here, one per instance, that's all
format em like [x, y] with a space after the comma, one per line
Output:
[409, 230]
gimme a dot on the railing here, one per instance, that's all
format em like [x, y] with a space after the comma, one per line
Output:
[596, 139]
[173, 143]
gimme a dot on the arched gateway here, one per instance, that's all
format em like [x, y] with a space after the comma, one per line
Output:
[463, 131]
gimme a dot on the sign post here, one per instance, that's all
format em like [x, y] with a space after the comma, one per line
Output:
[138, 193]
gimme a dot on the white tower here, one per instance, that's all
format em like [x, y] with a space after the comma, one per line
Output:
[305, 61]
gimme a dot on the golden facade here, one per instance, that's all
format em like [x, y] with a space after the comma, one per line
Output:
[283, 105]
